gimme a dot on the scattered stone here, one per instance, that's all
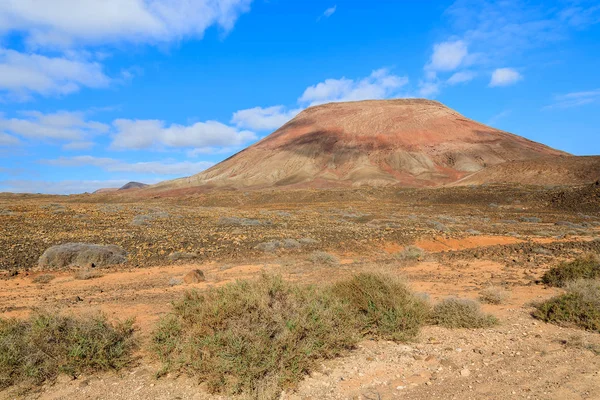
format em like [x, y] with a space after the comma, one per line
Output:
[194, 276]
[465, 372]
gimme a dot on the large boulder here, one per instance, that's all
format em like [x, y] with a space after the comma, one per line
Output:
[71, 255]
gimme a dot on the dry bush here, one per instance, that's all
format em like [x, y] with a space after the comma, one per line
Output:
[81, 254]
[274, 245]
[141, 220]
[438, 226]
[238, 221]
[493, 295]
[321, 257]
[579, 306]
[384, 306]
[531, 220]
[40, 348]
[587, 267]
[579, 342]
[254, 337]
[307, 241]
[180, 255]
[542, 251]
[410, 253]
[43, 279]
[461, 313]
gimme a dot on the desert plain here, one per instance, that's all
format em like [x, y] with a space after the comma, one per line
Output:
[444, 242]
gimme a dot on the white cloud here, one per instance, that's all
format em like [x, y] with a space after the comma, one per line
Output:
[62, 125]
[329, 12]
[22, 75]
[460, 77]
[64, 187]
[448, 56]
[65, 23]
[575, 99]
[8, 140]
[185, 168]
[429, 88]
[581, 15]
[262, 119]
[143, 134]
[505, 77]
[78, 146]
[379, 85]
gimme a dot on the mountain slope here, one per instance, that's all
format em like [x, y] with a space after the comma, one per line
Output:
[541, 171]
[408, 142]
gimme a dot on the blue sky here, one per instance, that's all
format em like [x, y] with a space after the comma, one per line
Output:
[98, 93]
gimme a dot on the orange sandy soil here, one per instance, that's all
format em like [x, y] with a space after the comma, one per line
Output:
[521, 358]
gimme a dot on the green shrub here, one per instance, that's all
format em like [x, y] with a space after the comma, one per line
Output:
[587, 267]
[579, 307]
[256, 337]
[383, 306]
[461, 313]
[40, 348]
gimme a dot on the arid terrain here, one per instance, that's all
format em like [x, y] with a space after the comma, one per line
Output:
[471, 238]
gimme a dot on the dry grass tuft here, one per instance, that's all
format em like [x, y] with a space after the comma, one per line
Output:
[493, 295]
[461, 313]
[321, 257]
[410, 253]
[40, 348]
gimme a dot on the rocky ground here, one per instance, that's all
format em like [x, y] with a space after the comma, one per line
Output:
[499, 238]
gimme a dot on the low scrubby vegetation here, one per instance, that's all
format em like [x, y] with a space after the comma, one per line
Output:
[587, 267]
[40, 348]
[256, 337]
[259, 337]
[579, 306]
[263, 336]
[383, 306]
[461, 313]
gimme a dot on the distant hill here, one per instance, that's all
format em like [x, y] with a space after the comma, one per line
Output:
[127, 186]
[133, 185]
[407, 142]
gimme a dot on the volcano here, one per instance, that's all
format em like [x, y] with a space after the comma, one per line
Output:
[407, 142]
